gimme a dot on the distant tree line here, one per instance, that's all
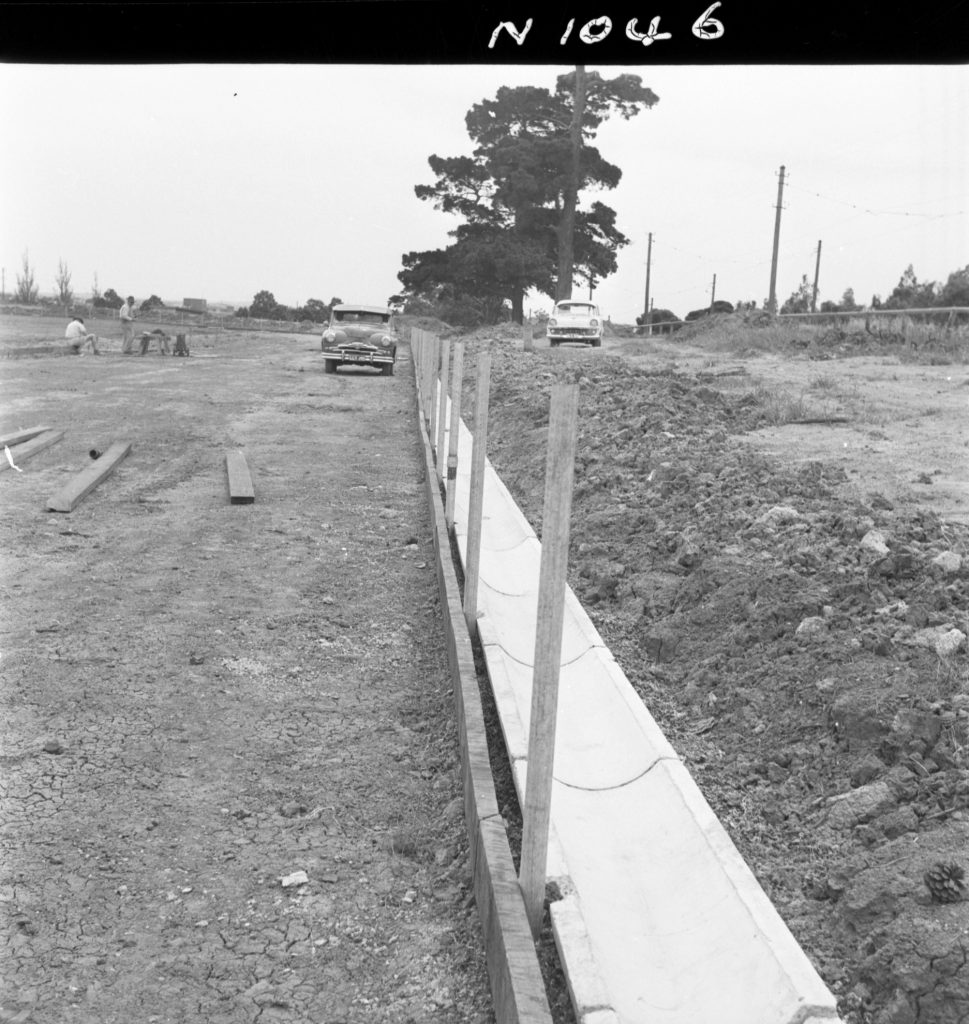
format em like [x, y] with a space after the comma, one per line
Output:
[265, 307]
[909, 293]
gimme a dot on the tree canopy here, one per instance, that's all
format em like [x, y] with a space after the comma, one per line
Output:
[265, 307]
[512, 194]
[910, 293]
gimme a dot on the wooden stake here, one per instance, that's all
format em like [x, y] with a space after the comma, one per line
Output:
[77, 489]
[528, 337]
[414, 357]
[452, 448]
[431, 373]
[442, 410]
[479, 450]
[563, 418]
[415, 354]
[427, 346]
[428, 376]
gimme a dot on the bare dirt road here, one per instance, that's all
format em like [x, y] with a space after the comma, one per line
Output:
[201, 700]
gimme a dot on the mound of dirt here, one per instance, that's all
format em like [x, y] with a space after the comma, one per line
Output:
[805, 653]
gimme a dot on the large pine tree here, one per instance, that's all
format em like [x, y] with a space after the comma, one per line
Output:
[519, 193]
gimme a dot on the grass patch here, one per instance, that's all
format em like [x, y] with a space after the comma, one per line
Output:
[779, 407]
[905, 339]
[824, 382]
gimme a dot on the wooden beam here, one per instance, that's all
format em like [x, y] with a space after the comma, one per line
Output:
[442, 410]
[19, 436]
[27, 450]
[476, 497]
[432, 368]
[240, 482]
[457, 372]
[74, 492]
[536, 814]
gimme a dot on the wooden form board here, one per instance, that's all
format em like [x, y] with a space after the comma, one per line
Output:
[517, 988]
[27, 450]
[19, 436]
[77, 489]
[240, 482]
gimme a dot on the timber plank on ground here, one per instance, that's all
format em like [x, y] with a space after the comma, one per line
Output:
[240, 482]
[19, 436]
[80, 486]
[27, 450]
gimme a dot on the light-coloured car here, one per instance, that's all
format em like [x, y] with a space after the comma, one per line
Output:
[360, 336]
[574, 320]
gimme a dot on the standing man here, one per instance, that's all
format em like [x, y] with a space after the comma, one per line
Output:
[127, 315]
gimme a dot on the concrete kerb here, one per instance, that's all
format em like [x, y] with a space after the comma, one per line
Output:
[643, 949]
[517, 987]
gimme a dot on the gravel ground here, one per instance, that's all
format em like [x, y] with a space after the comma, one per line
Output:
[229, 764]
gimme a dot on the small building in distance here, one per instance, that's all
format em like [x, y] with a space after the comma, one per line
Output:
[194, 305]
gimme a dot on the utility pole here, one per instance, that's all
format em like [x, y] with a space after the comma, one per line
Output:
[772, 295]
[713, 292]
[817, 270]
[565, 229]
[646, 307]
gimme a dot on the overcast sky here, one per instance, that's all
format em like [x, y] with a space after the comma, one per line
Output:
[218, 181]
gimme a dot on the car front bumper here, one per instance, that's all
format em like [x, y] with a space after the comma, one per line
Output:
[363, 356]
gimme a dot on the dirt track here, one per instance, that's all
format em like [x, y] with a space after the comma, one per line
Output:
[201, 699]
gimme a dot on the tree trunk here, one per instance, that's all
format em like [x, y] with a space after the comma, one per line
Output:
[566, 230]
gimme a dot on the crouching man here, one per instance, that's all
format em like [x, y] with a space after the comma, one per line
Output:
[79, 339]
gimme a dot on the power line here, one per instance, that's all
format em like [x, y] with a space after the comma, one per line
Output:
[880, 213]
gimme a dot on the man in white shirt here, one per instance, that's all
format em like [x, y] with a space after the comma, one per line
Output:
[79, 339]
[127, 315]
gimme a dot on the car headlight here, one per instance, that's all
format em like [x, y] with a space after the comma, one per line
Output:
[329, 335]
[553, 322]
[593, 323]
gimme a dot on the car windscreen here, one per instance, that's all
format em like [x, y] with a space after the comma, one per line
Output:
[350, 317]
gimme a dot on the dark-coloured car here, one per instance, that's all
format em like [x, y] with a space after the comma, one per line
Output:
[360, 336]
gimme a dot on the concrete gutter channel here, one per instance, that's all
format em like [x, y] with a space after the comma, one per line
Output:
[660, 920]
[518, 990]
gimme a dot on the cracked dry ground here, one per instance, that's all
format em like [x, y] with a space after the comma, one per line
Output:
[202, 699]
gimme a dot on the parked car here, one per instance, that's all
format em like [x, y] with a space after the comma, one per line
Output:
[360, 336]
[572, 320]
